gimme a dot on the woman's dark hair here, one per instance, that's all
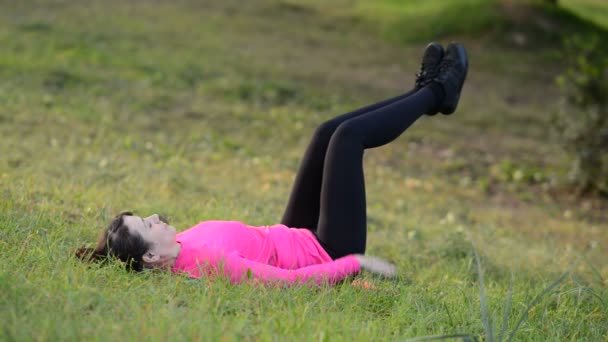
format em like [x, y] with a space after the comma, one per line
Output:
[117, 241]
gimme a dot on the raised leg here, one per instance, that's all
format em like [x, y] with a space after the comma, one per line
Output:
[303, 207]
[342, 227]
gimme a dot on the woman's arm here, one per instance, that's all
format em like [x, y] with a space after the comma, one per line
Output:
[239, 269]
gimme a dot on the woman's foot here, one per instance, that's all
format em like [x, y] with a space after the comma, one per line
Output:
[429, 68]
[452, 73]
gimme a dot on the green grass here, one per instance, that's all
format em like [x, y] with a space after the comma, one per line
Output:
[594, 10]
[201, 110]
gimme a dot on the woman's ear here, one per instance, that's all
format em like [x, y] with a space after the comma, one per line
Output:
[150, 257]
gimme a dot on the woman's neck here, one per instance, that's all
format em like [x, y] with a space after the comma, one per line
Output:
[177, 248]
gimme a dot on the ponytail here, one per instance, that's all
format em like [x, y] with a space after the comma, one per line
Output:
[89, 254]
[97, 254]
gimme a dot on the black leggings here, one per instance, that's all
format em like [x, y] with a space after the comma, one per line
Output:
[328, 195]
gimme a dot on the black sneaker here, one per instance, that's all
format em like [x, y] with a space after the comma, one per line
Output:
[429, 68]
[452, 73]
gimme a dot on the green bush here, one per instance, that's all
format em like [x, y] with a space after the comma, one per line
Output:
[582, 121]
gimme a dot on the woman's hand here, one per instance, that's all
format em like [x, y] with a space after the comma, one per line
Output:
[376, 265]
[366, 285]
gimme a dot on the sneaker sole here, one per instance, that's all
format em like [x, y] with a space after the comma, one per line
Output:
[451, 108]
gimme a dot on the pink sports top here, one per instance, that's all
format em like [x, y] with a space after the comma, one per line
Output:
[269, 254]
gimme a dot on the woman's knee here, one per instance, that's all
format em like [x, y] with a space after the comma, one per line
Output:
[325, 130]
[346, 131]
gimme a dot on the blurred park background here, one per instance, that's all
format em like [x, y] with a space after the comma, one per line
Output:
[202, 109]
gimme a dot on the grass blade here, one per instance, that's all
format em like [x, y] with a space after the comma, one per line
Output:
[505, 319]
[535, 301]
[464, 337]
[595, 271]
[485, 317]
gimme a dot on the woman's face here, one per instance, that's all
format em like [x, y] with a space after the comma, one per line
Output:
[157, 233]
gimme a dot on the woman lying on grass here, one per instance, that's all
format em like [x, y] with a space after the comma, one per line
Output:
[327, 201]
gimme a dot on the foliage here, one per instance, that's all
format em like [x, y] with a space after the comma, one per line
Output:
[582, 121]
